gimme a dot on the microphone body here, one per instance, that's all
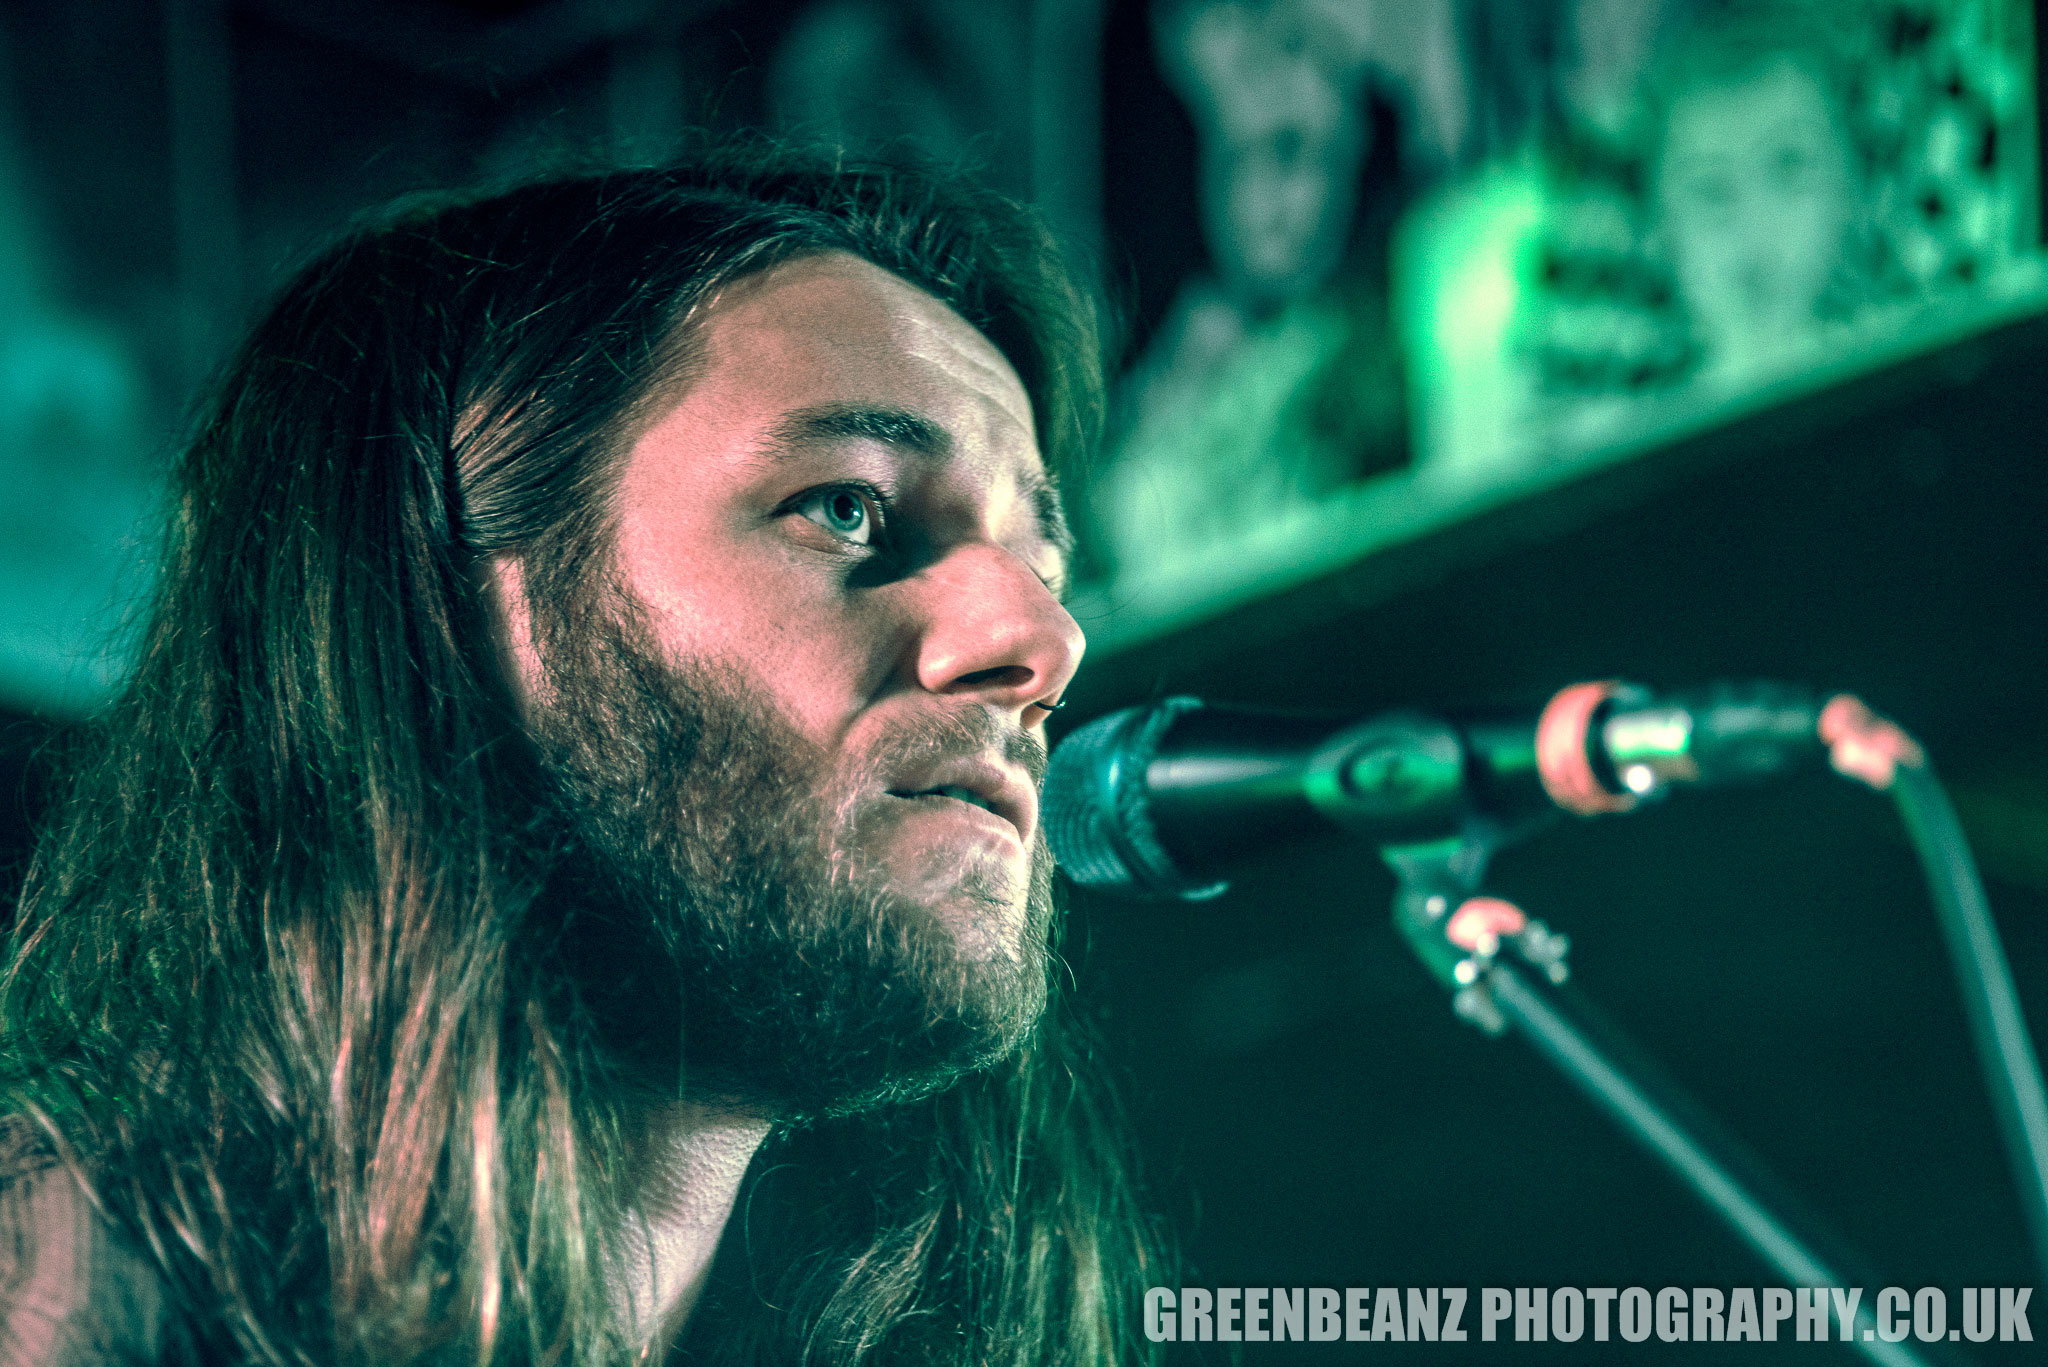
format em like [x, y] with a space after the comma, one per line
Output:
[1160, 801]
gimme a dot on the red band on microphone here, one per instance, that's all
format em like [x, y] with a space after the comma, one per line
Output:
[1564, 760]
[1863, 745]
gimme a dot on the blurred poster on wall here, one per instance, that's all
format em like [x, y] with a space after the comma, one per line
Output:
[1455, 250]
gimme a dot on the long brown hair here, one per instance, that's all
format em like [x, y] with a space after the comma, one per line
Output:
[274, 991]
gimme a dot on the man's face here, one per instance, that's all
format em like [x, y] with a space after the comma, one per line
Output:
[833, 604]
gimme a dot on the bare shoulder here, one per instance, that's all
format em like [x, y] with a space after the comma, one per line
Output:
[71, 1292]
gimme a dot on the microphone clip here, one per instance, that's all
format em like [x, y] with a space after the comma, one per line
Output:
[1460, 933]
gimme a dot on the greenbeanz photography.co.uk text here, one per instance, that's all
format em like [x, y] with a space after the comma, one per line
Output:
[1523, 1314]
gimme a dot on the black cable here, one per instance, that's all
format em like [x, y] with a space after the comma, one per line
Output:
[2012, 1072]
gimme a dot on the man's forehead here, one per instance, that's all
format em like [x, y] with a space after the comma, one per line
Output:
[844, 319]
[833, 349]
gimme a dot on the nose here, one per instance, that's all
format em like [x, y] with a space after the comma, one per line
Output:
[991, 630]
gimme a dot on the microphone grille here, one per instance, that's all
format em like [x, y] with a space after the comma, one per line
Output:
[1097, 811]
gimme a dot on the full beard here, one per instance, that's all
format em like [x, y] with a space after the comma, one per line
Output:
[727, 936]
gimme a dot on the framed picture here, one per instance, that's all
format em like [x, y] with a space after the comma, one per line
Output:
[1455, 251]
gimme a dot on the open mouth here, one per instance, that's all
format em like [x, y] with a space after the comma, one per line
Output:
[952, 790]
[983, 784]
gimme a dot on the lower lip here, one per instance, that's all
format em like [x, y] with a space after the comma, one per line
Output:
[955, 811]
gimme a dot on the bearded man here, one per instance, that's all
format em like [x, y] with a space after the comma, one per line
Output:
[581, 767]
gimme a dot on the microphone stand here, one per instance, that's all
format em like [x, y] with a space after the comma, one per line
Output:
[1508, 972]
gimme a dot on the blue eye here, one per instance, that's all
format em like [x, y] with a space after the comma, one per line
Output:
[849, 513]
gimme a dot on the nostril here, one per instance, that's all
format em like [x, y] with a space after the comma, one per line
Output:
[1003, 676]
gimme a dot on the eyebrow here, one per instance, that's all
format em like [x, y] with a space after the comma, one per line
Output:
[920, 436]
[839, 422]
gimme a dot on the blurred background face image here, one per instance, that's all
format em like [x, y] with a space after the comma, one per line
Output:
[1272, 89]
[1756, 193]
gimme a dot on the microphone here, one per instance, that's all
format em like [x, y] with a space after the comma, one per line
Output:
[1161, 800]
